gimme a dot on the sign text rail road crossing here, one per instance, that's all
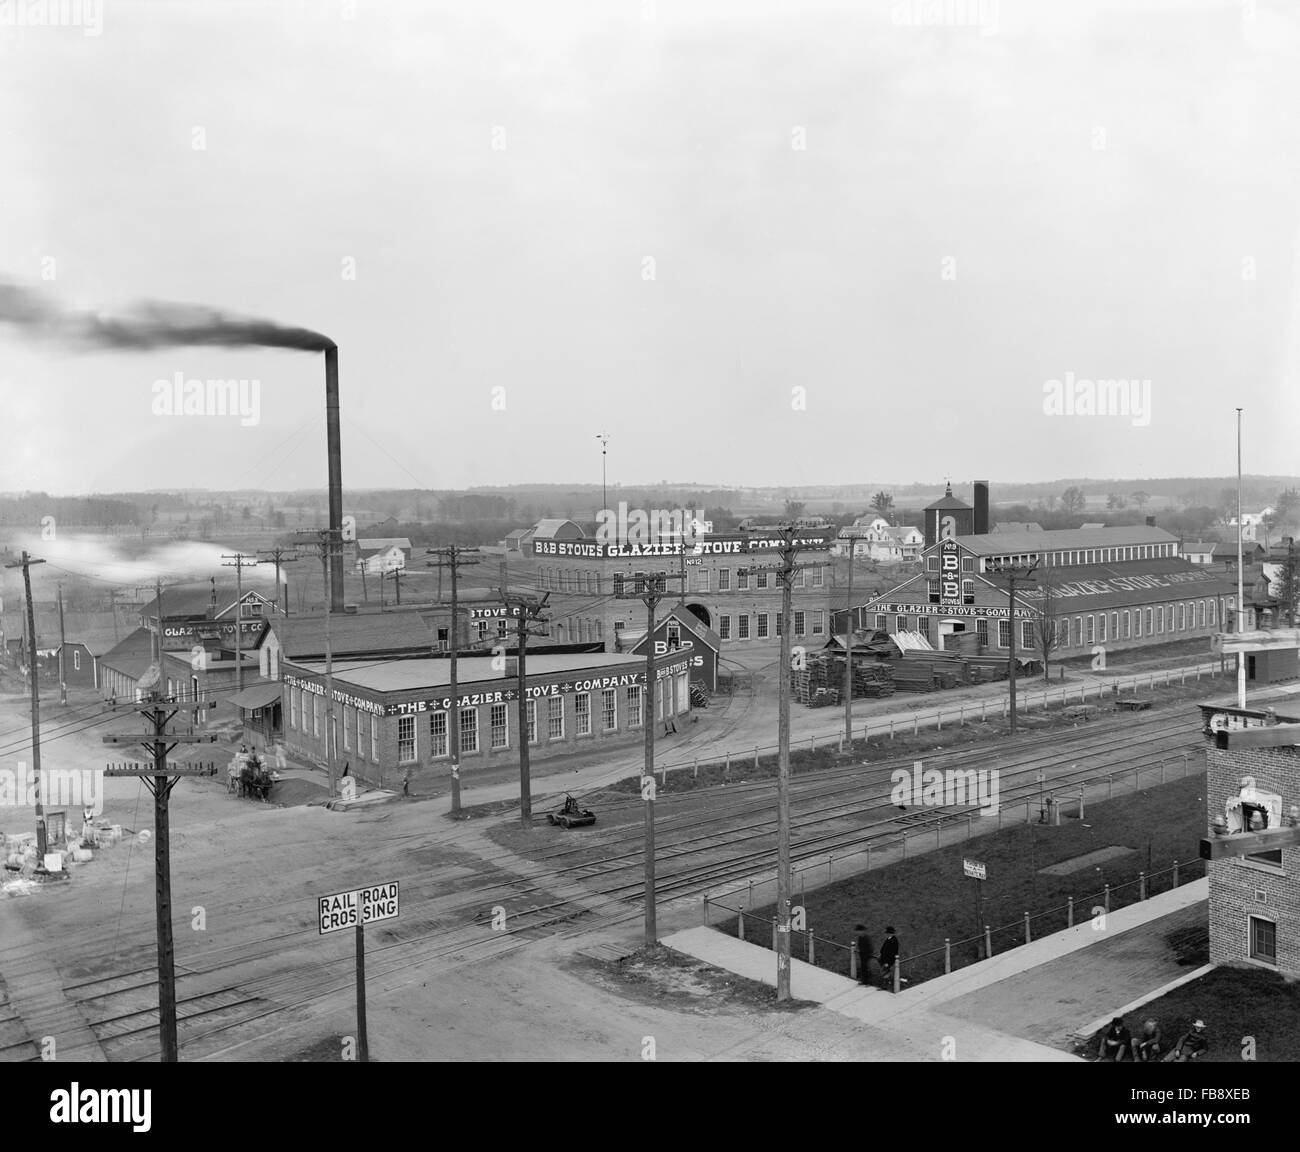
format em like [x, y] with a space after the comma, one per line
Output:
[355, 909]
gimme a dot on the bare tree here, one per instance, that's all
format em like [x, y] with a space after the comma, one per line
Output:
[883, 503]
[1046, 632]
[1115, 500]
[1141, 498]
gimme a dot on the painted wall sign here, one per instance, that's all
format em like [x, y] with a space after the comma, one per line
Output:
[950, 610]
[949, 572]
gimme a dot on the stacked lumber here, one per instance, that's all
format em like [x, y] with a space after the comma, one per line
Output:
[824, 673]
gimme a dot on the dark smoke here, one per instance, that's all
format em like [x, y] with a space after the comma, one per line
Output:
[147, 325]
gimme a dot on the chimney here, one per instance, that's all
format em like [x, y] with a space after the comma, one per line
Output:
[1151, 521]
[981, 507]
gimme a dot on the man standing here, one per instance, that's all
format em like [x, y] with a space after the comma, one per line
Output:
[888, 956]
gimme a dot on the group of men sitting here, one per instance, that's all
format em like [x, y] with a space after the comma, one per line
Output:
[1117, 1043]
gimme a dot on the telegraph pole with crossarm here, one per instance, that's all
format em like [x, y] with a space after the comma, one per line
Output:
[791, 544]
[527, 610]
[650, 588]
[25, 562]
[238, 561]
[453, 557]
[1012, 573]
[160, 778]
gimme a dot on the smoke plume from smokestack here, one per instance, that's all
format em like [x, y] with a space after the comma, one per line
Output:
[147, 325]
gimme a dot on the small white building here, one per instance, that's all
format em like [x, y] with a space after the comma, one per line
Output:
[877, 539]
[377, 556]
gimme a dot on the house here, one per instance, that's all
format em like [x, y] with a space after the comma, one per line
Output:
[381, 554]
[121, 667]
[1200, 551]
[515, 541]
[681, 630]
[879, 540]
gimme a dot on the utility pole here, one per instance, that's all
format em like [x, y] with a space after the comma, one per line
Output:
[1011, 573]
[791, 544]
[848, 659]
[112, 607]
[63, 680]
[650, 588]
[238, 561]
[1241, 592]
[329, 542]
[160, 779]
[454, 558]
[25, 562]
[529, 611]
[278, 556]
[396, 574]
[603, 437]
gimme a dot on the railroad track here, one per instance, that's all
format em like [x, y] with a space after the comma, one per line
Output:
[228, 992]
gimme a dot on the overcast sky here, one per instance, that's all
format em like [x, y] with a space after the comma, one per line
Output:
[657, 219]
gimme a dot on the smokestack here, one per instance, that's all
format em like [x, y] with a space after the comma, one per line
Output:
[1151, 521]
[335, 452]
[981, 507]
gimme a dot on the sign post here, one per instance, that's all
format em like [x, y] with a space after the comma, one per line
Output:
[978, 871]
[356, 909]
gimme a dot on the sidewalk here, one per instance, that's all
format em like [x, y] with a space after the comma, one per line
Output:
[1011, 1007]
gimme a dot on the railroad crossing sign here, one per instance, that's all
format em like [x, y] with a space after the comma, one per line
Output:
[340, 909]
[976, 869]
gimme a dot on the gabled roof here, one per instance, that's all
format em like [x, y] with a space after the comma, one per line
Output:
[688, 620]
[379, 543]
[521, 533]
[360, 634]
[133, 655]
[196, 600]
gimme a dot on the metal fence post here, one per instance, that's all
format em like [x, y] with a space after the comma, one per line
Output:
[830, 865]
[755, 759]
[1110, 785]
[1083, 784]
[706, 909]
[982, 715]
[904, 845]
[868, 857]
[961, 717]
[988, 942]
[740, 924]
[1027, 937]
[853, 960]
[898, 973]
[947, 955]
[938, 718]
[1069, 911]
[726, 767]
[1106, 895]
[696, 773]
[1142, 885]
[1175, 873]
[812, 948]
[913, 723]
[812, 743]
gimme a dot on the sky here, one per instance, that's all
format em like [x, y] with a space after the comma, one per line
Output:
[769, 242]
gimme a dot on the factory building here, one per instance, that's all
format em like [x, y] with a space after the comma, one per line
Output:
[391, 716]
[1117, 587]
[725, 580]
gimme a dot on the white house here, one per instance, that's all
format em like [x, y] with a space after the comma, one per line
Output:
[877, 539]
[375, 557]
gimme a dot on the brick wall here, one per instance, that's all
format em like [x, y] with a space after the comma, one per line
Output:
[1235, 883]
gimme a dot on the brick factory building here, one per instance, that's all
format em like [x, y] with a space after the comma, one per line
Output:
[1118, 587]
[743, 608]
[391, 716]
[1254, 899]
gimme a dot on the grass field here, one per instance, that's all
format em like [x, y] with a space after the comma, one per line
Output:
[928, 898]
[1249, 1013]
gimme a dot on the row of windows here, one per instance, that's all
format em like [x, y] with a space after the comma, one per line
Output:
[764, 622]
[1067, 558]
[1096, 628]
[305, 710]
[701, 578]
